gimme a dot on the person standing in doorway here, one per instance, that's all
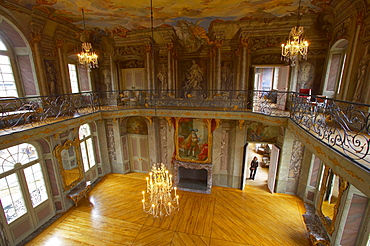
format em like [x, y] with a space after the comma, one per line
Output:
[253, 168]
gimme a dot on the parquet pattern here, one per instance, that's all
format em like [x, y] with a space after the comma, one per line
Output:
[113, 216]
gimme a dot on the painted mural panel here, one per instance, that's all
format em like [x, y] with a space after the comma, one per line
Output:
[259, 132]
[193, 140]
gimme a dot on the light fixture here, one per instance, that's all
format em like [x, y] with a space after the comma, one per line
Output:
[296, 47]
[87, 56]
[158, 199]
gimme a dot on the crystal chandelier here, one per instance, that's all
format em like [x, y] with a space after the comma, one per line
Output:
[158, 200]
[296, 47]
[87, 56]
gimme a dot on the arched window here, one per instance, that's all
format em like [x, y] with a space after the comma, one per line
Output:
[79, 77]
[87, 148]
[20, 171]
[334, 74]
[7, 82]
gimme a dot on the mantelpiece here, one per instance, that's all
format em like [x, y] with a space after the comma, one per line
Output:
[195, 177]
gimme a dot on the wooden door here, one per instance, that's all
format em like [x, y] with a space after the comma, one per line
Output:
[139, 153]
[282, 85]
[274, 160]
[133, 79]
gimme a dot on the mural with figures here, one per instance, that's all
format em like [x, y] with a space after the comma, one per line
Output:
[193, 140]
[122, 16]
[260, 132]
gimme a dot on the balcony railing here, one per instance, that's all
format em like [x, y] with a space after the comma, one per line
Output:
[342, 125]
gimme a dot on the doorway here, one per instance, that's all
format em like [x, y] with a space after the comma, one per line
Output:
[262, 152]
[268, 80]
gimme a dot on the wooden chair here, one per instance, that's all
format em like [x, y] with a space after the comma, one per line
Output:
[305, 93]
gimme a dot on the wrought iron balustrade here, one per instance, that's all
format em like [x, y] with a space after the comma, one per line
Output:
[343, 125]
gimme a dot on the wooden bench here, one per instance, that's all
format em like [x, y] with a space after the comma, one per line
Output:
[79, 192]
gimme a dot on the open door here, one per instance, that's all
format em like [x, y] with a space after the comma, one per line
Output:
[274, 160]
[244, 168]
[282, 85]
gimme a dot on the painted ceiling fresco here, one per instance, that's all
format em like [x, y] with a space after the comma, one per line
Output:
[111, 14]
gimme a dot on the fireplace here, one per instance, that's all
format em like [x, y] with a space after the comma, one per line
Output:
[195, 177]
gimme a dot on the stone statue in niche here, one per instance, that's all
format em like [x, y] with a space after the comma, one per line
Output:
[162, 77]
[51, 76]
[305, 74]
[106, 79]
[226, 78]
[194, 77]
[361, 76]
[111, 144]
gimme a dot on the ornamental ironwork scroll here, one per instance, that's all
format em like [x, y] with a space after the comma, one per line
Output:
[342, 125]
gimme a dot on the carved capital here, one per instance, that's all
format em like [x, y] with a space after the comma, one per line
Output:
[244, 42]
[218, 122]
[241, 123]
[170, 46]
[150, 119]
[35, 37]
[59, 43]
[169, 121]
[148, 48]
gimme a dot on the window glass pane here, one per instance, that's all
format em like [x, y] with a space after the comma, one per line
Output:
[73, 78]
[2, 45]
[22, 153]
[6, 68]
[90, 151]
[84, 131]
[11, 198]
[36, 184]
[84, 156]
[4, 60]
[7, 81]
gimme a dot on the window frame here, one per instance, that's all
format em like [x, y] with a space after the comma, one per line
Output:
[18, 170]
[83, 141]
[11, 54]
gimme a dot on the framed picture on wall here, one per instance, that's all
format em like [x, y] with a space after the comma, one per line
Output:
[193, 140]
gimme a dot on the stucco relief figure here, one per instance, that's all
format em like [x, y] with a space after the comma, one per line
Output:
[51, 76]
[361, 75]
[106, 79]
[226, 78]
[305, 76]
[162, 77]
[187, 39]
[194, 76]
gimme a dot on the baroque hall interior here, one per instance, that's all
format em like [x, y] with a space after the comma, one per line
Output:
[93, 93]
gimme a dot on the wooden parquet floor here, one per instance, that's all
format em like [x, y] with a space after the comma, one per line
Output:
[113, 216]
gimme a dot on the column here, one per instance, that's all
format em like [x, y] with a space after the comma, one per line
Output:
[103, 146]
[345, 93]
[212, 71]
[218, 65]
[170, 67]
[62, 67]
[35, 42]
[243, 76]
[149, 65]
[284, 162]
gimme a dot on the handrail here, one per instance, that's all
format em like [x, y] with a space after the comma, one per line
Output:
[340, 124]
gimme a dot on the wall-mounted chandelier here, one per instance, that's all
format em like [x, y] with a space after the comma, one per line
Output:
[158, 199]
[296, 47]
[87, 56]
